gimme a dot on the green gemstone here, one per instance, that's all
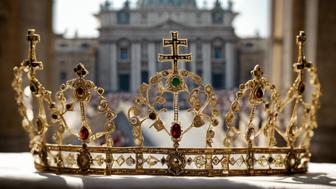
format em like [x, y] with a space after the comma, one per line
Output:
[176, 81]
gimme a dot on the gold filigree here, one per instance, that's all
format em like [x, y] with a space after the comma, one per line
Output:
[70, 159]
[99, 159]
[239, 156]
[174, 81]
[255, 91]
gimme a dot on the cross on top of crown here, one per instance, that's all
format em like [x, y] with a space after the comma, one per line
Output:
[301, 62]
[257, 72]
[80, 70]
[175, 57]
[32, 62]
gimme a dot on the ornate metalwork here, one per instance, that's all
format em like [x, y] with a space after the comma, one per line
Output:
[247, 158]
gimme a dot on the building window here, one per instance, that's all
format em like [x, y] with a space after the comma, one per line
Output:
[123, 53]
[217, 81]
[144, 77]
[124, 82]
[217, 18]
[249, 45]
[218, 53]
[123, 17]
[85, 45]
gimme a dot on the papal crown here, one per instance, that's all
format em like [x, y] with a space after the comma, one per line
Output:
[276, 144]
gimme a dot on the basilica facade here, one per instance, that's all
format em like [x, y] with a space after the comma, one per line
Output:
[130, 39]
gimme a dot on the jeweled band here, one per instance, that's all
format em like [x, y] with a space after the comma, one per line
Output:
[184, 162]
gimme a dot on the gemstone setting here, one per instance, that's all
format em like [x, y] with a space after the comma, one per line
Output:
[176, 81]
[84, 159]
[176, 131]
[33, 86]
[198, 121]
[84, 133]
[80, 92]
[301, 88]
[258, 93]
[39, 125]
[152, 116]
[176, 163]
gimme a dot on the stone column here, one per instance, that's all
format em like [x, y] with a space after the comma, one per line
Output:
[206, 63]
[311, 29]
[135, 66]
[229, 65]
[16, 17]
[104, 66]
[288, 49]
[151, 59]
[113, 68]
[193, 64]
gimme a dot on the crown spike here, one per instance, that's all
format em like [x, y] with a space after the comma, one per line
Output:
[80, 70]
[33, 39]
[175, 56]
[32, 62]
[301, 60]
[257, 72]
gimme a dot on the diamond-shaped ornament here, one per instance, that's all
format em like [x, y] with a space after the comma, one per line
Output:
[120, 160]
[215, 160]
[130, 161]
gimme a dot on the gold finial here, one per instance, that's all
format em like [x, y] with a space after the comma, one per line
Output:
[80, 70]
[301, 62]
[175, 57]
[257, 72]
[32, 62]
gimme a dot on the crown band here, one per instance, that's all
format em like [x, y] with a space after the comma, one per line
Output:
[155, 161]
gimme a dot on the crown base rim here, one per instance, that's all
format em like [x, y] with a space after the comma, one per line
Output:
[205, 161]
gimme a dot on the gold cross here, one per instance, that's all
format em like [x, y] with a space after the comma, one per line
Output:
[175, 57]
[257, 72]
[301, 62]
[32, 62]
[80, 70]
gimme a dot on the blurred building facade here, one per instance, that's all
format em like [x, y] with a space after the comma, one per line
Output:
[251, 51]
[16, 16]
[130, 39]
[318, 19]
[125, 53]
[68, 52]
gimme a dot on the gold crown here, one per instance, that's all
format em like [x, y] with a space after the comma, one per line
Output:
[279, 144]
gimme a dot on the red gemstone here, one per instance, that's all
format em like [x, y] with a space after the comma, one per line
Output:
[83, 133]
[175, 130]
[80, 91]
[259, 93]
[301, 88]
[152, 116]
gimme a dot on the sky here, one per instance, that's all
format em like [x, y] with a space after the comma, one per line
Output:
[71, 16]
